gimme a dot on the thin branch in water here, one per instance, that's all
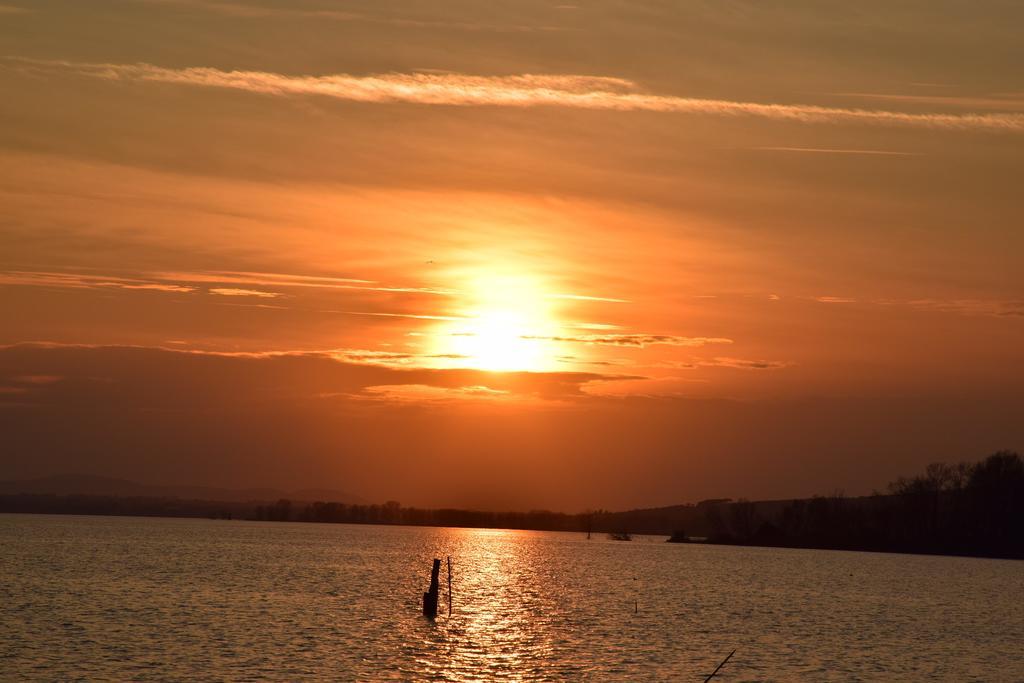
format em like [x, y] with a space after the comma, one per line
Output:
[712, 675]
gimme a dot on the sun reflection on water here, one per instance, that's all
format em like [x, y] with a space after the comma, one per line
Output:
[499, 621]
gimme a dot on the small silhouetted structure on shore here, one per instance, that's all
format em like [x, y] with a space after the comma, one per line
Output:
[620, 536]
[430, 597]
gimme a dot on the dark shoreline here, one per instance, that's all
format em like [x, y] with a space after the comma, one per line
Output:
[962, 510]
[866, 549]
[5, 508]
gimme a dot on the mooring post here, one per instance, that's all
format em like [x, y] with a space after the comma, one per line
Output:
[430, 597]
[449, 585]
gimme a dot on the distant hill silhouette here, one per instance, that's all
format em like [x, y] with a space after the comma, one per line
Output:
[91, 485]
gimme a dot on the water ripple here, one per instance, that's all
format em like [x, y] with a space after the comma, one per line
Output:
[111, 599]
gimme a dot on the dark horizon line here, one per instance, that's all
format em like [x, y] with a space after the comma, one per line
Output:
[964, 509]
[9, 487]
[498, 528]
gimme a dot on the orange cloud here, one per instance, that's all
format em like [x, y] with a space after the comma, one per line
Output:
[291, 280]
[153, 286]
[85, 281]
[232, 291]
[235, 9]
[637, 340]
[584, 297]
[822, 150]
[527, 90]
[418, 393]
[744, 364]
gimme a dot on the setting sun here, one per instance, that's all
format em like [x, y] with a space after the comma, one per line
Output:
[500, 340]
[505, 325]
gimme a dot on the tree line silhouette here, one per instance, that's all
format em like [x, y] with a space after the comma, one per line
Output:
[960, 509]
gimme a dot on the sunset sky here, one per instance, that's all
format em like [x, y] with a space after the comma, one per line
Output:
[511, 255]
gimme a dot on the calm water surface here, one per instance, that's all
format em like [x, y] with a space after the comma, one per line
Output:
[93, 598]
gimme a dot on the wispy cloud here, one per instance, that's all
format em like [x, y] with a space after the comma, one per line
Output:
[393, 358]
[744, 364]
[419, 393]
[822, 150]
[584, 297]
[289, 280]
[86, 281]
[609, 362]
[247, 11]
[325, 373]
[12, 9]
[1010, 101]
[233, 291]
[236, 304]
[368, 357]
[636, 340]
[999, 309]
[292, 280]
[529, 90]
[604, 327]
[725, 362]
[268, 278]
[152, 286]
[412, 316]
[184, 282]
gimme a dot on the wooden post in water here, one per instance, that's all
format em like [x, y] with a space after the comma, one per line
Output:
[449, 585]
[430, 597]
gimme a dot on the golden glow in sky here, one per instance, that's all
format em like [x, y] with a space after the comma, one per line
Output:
[707, 243]
[503, 327]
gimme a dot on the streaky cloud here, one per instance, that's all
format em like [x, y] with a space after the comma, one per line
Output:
[527, 90]
[234, 291]
[319, 373]
[419, 393]
[823, 150]
[744, 364]
[293, 278]
[172, 282]
[725, 362]
[241, 305]
[152, 286]
[584, 297]
[635, 340]
[412, 316]
[1011, 101]
[65, 280]
[246, 11]
[993, 308]
[288, 280]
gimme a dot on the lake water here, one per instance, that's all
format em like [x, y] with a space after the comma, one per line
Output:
[122, 598]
